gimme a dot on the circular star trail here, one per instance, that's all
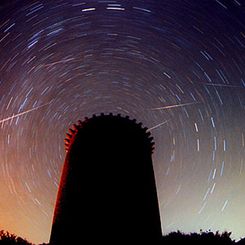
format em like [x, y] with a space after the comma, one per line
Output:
[177, 66]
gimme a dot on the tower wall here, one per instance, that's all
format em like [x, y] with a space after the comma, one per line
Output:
[107, 191]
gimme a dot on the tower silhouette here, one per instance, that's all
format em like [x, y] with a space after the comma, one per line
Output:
[107, 191]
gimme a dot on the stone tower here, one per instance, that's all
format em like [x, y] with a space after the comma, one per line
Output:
[107, 191]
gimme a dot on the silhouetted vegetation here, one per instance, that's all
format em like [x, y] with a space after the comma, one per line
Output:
[9, 239]
[201, 238]
[241, 242]
[173, 238]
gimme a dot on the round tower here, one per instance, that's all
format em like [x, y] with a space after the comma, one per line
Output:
[107, 191]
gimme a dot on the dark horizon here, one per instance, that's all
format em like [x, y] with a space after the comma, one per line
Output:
[175, 237]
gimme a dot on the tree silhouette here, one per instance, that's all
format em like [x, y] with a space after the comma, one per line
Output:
[7, 238]
[202, 238]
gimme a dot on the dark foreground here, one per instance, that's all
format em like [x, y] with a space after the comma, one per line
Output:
[174, 238]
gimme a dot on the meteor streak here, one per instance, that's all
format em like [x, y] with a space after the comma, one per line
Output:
[157, 126]
[173, 106]
[223, 85]
[168, 107]
[22, 113]
[59, 62]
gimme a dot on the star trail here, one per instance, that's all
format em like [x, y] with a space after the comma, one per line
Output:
[176, 66]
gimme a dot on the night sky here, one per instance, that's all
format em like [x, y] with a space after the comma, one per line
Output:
[177, 66]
